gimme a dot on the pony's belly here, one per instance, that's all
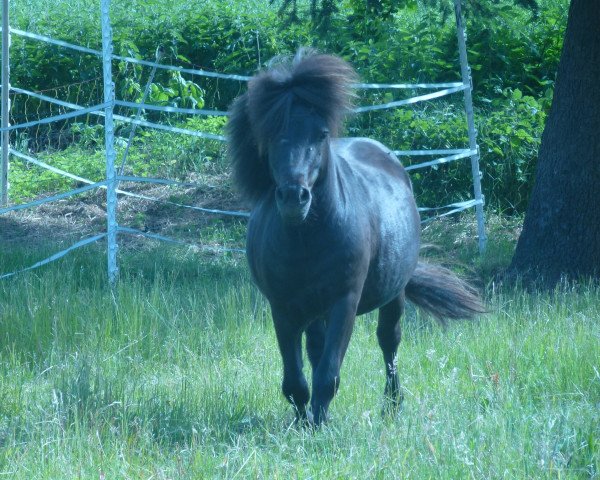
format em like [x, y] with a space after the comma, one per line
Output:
[309, 285]
[313, 294]
[382, 287]
[304, 286]
[394, 261]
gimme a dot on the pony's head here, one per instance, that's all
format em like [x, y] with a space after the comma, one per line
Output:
[279, 130]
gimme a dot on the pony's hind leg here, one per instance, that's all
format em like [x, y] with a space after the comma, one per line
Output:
[388, 335]
[294, 385]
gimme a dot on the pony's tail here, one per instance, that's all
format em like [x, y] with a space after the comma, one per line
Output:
[442, 293]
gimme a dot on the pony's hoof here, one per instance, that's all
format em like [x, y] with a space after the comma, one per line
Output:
[392, 407]
[309, 421]
[304, 420]
[319, 420]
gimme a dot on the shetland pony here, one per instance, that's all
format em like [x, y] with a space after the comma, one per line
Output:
[334, 230]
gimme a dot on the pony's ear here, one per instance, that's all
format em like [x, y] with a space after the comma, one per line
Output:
[250, 167]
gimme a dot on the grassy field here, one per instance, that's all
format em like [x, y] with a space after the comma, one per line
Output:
[175, 374]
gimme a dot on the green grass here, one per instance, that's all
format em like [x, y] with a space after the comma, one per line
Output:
[176, 373]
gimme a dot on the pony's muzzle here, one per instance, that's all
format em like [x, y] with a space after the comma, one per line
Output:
[292, 195]
[293, 202]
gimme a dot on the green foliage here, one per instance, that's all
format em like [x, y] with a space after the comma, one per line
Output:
[177, 92]
[510, 135]
[153, 153]
[173, 155]
[27, 181]
[511, 49]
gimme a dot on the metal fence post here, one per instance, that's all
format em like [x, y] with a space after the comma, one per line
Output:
[467, 81]
[5, 103]
[111, 177]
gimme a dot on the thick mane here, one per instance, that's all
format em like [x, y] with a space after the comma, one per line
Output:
[321, 82]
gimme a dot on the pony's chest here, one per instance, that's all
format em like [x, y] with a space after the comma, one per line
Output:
[306, 271]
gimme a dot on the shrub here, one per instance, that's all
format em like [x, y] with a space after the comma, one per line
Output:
[513, 53]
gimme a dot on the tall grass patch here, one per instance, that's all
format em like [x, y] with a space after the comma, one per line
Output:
[175, 373]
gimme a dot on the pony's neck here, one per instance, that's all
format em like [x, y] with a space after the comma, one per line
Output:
[330, 198]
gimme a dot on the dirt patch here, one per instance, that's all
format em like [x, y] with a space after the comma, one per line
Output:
[85, 215]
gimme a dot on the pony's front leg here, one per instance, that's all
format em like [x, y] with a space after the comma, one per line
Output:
[326, 377]
[315, 342]
[294, 385]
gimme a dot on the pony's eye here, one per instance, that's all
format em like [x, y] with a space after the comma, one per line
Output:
[324, 133]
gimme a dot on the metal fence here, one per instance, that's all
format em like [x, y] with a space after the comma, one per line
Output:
[114, 174]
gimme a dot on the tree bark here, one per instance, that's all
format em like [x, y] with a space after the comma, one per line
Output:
[561, 232]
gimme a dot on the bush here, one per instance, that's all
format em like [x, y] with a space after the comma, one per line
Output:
[513, 53]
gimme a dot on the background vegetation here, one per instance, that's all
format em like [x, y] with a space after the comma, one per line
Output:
[513, 52]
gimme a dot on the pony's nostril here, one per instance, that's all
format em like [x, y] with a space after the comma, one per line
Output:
[292, 195]
[304, 195]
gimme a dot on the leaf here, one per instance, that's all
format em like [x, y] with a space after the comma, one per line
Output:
[517, 94]
[522, 134]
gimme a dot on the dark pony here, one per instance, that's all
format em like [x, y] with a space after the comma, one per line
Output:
[334, 230]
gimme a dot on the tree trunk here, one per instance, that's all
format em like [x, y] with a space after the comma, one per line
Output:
[561, 232]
